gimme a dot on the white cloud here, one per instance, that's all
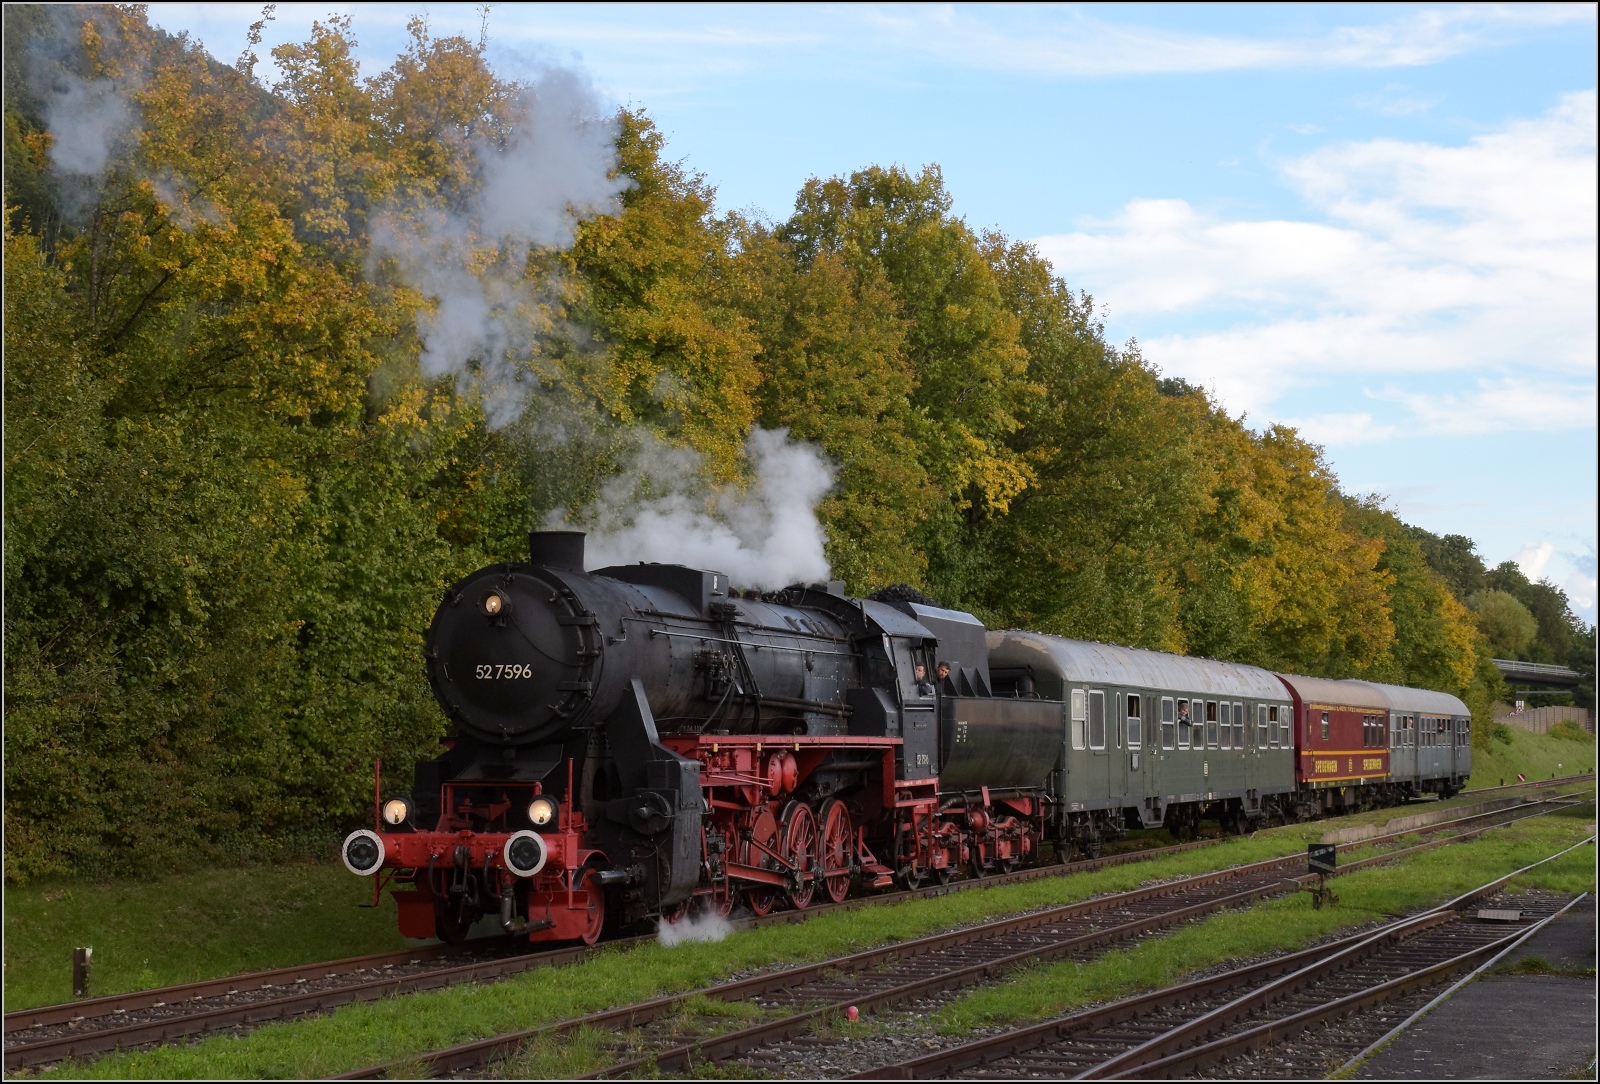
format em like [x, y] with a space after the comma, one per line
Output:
[1080, 46]
[1394, 101]
[1534, 557]
[658, 51]
[1500, 405]
[1341, 430]
[1474, 265]
[1573, 572]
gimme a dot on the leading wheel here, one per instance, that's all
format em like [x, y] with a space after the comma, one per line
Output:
[594, 906]
[799, 842]
[834, 840]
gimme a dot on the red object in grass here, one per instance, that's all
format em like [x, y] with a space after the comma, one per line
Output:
[852, 1014]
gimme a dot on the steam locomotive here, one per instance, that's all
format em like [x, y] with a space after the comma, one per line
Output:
[643, 741]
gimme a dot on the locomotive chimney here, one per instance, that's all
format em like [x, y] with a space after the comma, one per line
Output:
[556, 549]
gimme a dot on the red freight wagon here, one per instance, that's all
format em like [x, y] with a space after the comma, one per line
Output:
[1341, 743]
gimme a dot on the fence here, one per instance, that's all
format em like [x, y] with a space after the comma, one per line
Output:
[1540, 720]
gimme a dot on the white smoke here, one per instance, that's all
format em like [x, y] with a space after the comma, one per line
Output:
[704, 928]
[87, 120]
[91, 122]
[767, 536]
[488, 316]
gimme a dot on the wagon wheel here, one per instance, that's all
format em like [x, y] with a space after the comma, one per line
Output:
[799, 845]
[911, 876]
[943, 874]
[833, 850]
[764, 831]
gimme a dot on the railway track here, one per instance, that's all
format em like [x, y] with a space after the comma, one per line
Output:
[797, 1000]
[1242, 1022]
[49, 1034]
[52, 1033]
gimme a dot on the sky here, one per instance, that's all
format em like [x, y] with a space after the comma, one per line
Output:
[1374, 223]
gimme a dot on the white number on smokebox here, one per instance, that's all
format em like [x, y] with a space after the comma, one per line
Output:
[504, 670]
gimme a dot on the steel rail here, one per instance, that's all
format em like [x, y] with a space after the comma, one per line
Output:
[472, 1054]
[25, 1053]
[28, 1053]
[1296, 971]
[1210, 1053]
[1372, 1048]
[46, 1015]
[720, 1048]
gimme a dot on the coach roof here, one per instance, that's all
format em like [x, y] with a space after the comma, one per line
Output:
[1080, 661]
[1418, 701]
[1360, 695]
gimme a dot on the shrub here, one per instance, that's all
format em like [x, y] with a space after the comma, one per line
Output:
[1570, 731]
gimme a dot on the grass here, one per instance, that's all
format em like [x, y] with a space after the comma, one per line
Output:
[359, 1035]
[226, 921]
[1538, 756]
[187, 927]
[1284, 925]
[1538, 965]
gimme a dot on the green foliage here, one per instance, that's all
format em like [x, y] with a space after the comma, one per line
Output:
[233, 500]
[1506, 623]
[1567, 730]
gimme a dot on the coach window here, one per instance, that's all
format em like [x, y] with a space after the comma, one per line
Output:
[1271, 711]
[1135, 721]
[1324, 726]
[1366, 732]
[1211, 723]
[1238, 726]
[1168, 724]
[1263, 739]
[1080, 713]
[1183, 724]
[1097, 720]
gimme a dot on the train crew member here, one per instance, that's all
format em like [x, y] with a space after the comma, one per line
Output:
[944, 678]
[924, 686]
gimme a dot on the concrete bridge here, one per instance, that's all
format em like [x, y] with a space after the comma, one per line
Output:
[1551, 679]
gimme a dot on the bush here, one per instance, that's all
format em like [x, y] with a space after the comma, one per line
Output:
[1502, 733]
[1570, 731]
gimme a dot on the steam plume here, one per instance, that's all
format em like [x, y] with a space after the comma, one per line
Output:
[488, 316]
[765, 537]
[707, 927]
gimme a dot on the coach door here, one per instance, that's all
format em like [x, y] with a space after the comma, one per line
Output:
[1117, 760]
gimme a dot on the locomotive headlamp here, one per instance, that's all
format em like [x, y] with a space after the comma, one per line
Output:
[525, 853]
[362, 852]
[542, 812]
[494, 603]
[396, 811]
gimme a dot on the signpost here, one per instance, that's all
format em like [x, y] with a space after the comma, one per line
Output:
[1322, 859]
